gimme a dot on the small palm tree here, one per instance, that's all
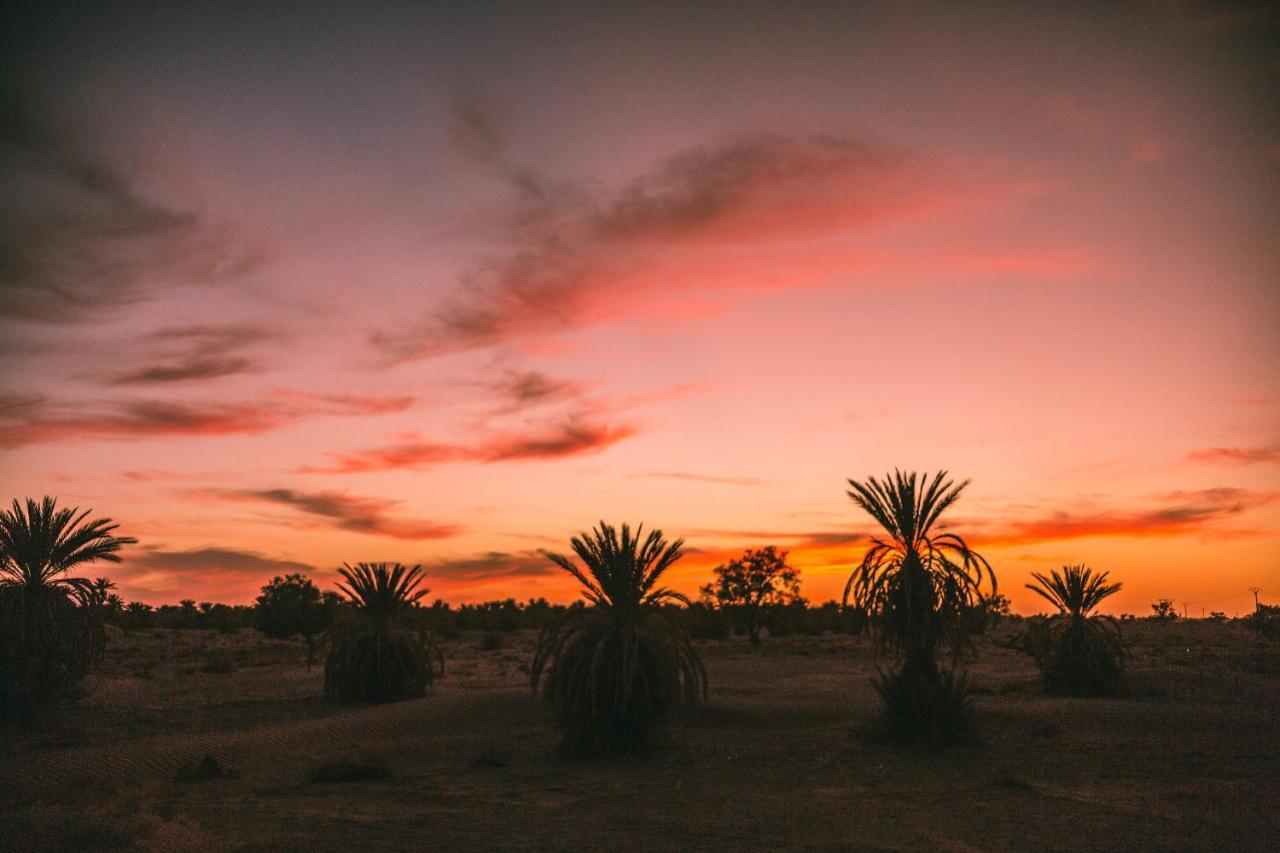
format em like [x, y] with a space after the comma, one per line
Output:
[377, 654]
[51, 632]
[918, 583]
[1084, 652]
[615, 668]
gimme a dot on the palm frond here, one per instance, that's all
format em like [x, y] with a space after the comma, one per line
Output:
[614, 669]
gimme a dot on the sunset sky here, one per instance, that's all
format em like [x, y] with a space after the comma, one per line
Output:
[287, 285]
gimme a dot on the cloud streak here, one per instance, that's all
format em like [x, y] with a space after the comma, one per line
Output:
[36, 420]
[704, 478]
[1236, 455]
[494, 565]
[576, 435]
[78, 238]
[192, 353]
[701, 218]
[345, 512]
[1180, 513]
[210, 572]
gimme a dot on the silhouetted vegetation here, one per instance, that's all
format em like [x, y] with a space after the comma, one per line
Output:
[1082, 653]
[1265, 620]
[293, 605]
[918, 585]
[377, 654]
[753, 586]
[614, 669]
[51, 630]
[1164, 609]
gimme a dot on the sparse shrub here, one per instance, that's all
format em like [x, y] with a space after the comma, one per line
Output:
[986, 614]
[1082, 654]
[705, 622]
[1265, 620]
[376, 654]
[491, 641]
[51, 629]
[753, 586]
[924, 708]
[614, 669]
[917, 586]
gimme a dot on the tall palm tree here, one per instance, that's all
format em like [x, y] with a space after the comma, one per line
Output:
[1084, 655]
[615, 668]
[917, 581]
[50, 631]
[39, 542]
[377, 654]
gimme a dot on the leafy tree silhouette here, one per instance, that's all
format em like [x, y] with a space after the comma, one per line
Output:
[754, 584]
[917, 584]
[50, 627]
[615, 668]
[291, 606]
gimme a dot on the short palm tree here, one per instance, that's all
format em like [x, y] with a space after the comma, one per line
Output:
[377, 653]
[917, 583]
[51, 633]
[1084, 652]
[615, 668]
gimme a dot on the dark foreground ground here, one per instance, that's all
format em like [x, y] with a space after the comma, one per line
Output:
[777, 759]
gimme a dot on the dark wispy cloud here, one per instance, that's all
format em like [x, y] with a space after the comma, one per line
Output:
[577, 255]
[1236, 455]
[1173, 514]
[40, 421]
[192, 353]
[77, 237]
[524, 388]
[792, 538]
[211, 573]
[575, 435]
[220, 561]
[345, 512]
[494, 565]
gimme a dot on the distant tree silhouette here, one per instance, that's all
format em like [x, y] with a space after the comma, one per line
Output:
[378, 654]
[50, 625]
[1164, 609]
[291, 606]
[1083, 654]
[615, 668]
[754, 584]
[918, 584]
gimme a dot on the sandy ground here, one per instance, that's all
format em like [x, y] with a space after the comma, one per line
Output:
[778, 758]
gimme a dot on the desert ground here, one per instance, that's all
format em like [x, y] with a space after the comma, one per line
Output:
[779, 757]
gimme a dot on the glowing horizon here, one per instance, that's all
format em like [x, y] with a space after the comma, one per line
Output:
[283, 292]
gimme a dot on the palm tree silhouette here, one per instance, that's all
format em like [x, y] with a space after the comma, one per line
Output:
[917, 582]
[40, 542]
[50, 627]
[614, 669]
[376, 656]
[1084, 655]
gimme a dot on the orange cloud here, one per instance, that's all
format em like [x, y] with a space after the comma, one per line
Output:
[1183, 513]
[1236, 455]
